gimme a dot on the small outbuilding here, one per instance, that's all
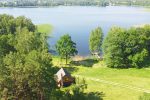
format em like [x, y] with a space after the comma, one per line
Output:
[64, 78]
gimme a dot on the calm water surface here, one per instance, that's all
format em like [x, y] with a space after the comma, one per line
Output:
[79, 21]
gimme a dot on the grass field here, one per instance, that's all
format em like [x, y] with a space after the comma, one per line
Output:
[44, 28]
[116, 84]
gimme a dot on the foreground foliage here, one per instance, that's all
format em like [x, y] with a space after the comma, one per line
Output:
[25, 70]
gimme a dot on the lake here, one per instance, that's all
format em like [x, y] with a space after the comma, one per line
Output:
[79, 21]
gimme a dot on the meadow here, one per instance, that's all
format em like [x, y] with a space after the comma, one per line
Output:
[115, 84]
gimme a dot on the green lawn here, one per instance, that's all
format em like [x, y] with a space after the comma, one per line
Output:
[134, 78]
[44, 28]
[139, 78]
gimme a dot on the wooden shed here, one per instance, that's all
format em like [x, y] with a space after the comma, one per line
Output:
[64, 78]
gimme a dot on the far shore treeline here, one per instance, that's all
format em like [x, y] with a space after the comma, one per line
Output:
[26, 69]
[49, 3]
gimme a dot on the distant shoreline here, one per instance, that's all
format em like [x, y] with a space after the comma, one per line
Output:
[48, 6]
[71, 6]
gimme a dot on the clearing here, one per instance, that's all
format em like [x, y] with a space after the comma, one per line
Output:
[116, 84]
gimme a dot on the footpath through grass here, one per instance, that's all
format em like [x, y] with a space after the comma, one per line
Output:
[134, 79]
[130, 80]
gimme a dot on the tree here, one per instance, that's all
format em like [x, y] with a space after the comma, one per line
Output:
[28, 76]
[114, 48]
[95, 40]
[66, 47]
[6, 44]
[22, 22]
[127, 48]
[26, 71]
[137, 47]
[146, 32]
[9, 24]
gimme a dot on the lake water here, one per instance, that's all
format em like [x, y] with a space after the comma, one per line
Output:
[79, 21]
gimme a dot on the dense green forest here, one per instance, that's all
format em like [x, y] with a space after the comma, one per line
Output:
[20, 3]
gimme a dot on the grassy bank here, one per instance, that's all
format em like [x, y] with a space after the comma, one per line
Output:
[116, 84]
[45, 28]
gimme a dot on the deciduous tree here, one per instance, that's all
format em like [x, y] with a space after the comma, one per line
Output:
[66, 47]
[95, 40]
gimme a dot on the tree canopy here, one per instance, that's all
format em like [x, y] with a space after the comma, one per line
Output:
[127, 48]
[95, 40]
[9, 24]
[25, 70]
[66, 47]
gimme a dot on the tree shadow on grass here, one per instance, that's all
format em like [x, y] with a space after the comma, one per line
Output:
[85, 63]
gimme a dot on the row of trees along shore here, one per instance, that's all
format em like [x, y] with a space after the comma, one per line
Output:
[122, 48]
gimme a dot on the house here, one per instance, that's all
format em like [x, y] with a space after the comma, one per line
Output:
[63, 78]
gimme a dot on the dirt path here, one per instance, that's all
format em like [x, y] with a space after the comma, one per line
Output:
[116, 84]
